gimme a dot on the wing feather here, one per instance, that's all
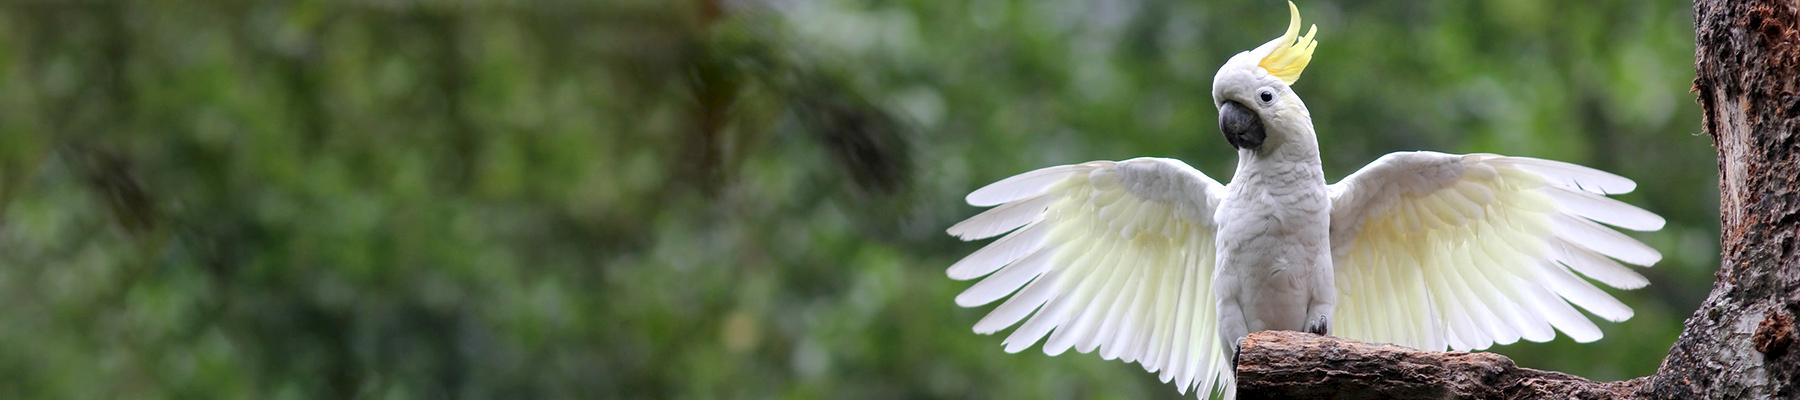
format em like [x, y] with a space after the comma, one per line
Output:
[1005, 282]
[1022, 186]
[1002, 219]
[1604, 209]
[1435, 250]
[1107, 257]
[1565, 174]
[1598, 267]
[1592, 236]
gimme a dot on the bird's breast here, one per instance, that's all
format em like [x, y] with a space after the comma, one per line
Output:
[1272, 232]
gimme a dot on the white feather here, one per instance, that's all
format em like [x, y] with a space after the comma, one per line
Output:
[1604, 209]
[1611, 243]
[1024, 185]
[1005, 282]
[1001, 219]
[1571, 176]
[1598, 267]
[1561, 315]
[1015, 309]
[1004, 251]
[1582, 293]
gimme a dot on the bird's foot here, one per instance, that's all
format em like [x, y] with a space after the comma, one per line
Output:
[1320, 325]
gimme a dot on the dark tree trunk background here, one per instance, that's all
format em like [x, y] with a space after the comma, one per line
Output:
[1738, 345]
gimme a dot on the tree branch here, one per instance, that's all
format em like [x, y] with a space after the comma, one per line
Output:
[1295, 365]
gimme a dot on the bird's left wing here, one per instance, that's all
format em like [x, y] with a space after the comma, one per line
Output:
[1436, 250]
[1114, 256]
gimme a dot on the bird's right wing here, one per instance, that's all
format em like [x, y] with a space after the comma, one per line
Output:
[1114, 256]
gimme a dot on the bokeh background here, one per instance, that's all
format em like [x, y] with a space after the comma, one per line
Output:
[705, 198]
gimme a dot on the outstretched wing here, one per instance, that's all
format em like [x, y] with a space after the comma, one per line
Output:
[1466, 251]
[1114, 256]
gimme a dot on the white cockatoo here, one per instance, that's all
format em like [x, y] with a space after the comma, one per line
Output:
[1150, 261]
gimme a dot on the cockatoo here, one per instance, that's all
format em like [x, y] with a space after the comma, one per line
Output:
[1150, 261]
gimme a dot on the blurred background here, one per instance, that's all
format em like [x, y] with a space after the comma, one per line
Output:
[705, 198]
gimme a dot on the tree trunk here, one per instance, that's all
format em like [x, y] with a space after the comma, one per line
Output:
[1738, 345]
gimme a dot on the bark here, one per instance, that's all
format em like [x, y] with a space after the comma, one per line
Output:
[1294, 365]
[1738, 345]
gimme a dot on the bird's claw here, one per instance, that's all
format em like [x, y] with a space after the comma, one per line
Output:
[1319, 326]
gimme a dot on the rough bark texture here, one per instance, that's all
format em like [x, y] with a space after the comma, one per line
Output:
[1738, 345]
[1294, 365]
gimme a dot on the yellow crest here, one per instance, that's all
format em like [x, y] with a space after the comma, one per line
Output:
[1292, 51]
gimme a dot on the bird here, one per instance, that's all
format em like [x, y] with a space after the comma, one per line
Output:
[1153, 262]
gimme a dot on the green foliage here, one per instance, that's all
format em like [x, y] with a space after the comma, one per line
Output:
[652, 199]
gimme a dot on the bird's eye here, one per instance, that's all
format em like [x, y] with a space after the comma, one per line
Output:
[1266, 95]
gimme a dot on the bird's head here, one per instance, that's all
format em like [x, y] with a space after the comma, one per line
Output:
[1257, 105]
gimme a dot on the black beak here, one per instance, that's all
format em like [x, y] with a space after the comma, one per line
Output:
[1242, 128]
